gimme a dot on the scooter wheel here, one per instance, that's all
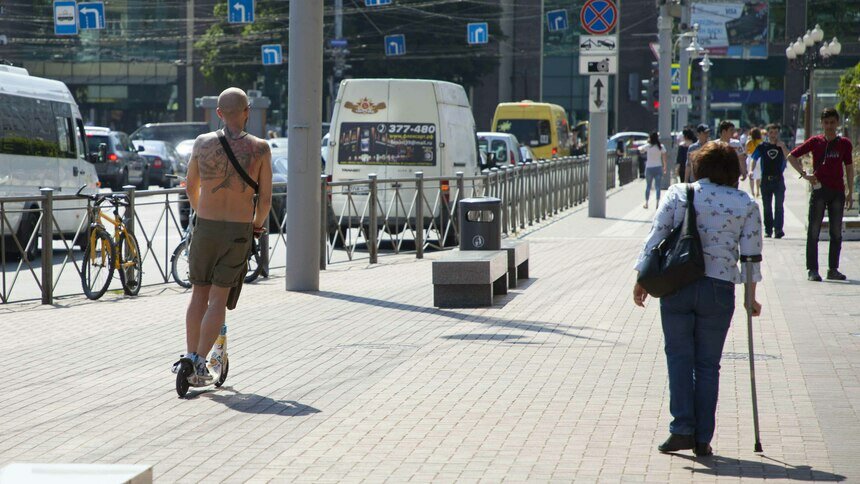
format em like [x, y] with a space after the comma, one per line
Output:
[224, 370]
[185, 371]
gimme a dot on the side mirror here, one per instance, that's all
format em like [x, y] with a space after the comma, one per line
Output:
[102, 152]
[140, 149]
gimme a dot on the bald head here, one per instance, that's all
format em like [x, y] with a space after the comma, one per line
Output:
[232, 101]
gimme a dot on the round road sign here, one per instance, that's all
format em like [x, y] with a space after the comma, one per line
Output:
[598, 17]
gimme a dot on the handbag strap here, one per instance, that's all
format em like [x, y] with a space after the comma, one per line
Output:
[236, 166]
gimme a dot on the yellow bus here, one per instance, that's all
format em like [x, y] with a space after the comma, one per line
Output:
[543, 127]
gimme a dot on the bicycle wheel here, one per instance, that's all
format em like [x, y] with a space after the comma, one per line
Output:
[179, 266]
[130, 272]
[254, 265]
[97, 266]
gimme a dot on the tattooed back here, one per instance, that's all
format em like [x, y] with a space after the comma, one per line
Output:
[223, 194]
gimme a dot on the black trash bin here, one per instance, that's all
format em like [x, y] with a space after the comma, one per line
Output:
[480, 223]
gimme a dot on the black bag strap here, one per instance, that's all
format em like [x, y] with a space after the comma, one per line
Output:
[236, 166]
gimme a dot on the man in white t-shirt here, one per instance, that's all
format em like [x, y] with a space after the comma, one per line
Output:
[727, 133]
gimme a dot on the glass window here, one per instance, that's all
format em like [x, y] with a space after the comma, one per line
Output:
[82, 140]
[65, 138]
[837, 18]
[27, 127]
[776, 15]
[93, 142]
[530, 132]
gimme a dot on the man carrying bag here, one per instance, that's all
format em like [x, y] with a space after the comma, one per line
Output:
[230, 188]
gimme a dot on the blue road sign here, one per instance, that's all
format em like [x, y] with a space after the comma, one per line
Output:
[376, 3]
[65, 17]
[334, 43]
[556, 20]
[478, 33]
[91, 15]
[395, 44]
[240, 11]
[272, 54]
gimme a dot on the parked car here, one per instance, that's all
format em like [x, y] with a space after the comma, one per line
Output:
[526, 154]
[170, 132]
[184, 148]
[637, 137]
[122, 164]
[501, 148]
[163, 160]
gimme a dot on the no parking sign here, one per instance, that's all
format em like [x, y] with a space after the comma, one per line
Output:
[598, 17]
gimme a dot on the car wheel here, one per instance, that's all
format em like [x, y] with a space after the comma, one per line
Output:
[144, 181]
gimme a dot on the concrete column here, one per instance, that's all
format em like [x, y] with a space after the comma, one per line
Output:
[506, 52]
[305, 124]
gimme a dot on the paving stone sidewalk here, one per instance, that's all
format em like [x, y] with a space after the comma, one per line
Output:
[562, 380]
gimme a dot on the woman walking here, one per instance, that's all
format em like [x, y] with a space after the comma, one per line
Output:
[696, 318]
[754, 140]
[655, 166]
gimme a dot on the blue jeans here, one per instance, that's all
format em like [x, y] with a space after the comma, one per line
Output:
[774, 216]
[695, 324]
[653, 174]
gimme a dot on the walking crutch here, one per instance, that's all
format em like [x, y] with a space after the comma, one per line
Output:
[748, 261]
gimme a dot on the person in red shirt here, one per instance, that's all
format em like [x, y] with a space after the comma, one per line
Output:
[830, 152]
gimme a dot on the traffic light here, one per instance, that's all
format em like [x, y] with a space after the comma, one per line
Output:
[654, 98]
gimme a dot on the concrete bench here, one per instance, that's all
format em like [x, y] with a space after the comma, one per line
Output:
[469, 279]
[850, 227]
[518, 260]
[20, 473]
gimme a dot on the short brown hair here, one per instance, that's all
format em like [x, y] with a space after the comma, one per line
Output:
[829, 113]
[718, 162]
[773, 126]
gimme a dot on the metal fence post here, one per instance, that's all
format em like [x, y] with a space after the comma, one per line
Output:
[419, 215]
[461, 187]
[371, 236]
[529, 190]
[129, 211]
[554, 182]
[486, 174]
[505, 201]
[323, 222]
[542, 168]
[47, 245]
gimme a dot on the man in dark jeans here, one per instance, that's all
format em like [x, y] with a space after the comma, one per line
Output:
[830, 152]
[771, 155]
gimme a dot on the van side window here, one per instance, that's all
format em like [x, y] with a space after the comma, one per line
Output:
[82, 140]
[27, 127]
[65, 138]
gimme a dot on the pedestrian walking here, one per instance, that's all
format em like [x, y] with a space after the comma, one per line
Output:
[696, 318]
[703, 135]
[755, 139]
[769, 159]
[830, 153]
[221, 192]
[655, 166]
[726, 132]
[687, 139]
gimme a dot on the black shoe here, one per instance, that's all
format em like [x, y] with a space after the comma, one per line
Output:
[767, 235]
[780, 235]
[813, 276]
[677, 442]
[834, 275]
[703, 450]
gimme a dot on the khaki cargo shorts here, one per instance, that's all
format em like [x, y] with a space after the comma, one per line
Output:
[219, 251]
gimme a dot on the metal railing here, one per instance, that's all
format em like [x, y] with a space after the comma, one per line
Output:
[361, 219]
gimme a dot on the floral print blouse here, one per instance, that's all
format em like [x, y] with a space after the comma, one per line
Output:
[729, 224]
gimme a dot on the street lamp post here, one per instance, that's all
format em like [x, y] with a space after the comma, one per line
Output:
[808, 53]
[706, 67]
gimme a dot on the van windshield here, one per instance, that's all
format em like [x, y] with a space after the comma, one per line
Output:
[530, 132]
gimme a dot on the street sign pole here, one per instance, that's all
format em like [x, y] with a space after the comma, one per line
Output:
[598, 119]
[684, 87]
[305, 124]
[664, 123]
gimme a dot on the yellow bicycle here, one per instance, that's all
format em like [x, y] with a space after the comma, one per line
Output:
[104, 254]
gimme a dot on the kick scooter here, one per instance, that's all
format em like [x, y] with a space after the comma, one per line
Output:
[218, 365]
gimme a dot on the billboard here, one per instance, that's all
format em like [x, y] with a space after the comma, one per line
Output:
[370, 143]
[732, 29]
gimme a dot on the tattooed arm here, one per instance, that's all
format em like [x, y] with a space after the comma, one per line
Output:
[263, 155]
[192, 184]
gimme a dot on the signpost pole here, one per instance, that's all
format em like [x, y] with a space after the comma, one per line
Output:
[597, 164]
[683, 85]
[664, 123]
[305, 122]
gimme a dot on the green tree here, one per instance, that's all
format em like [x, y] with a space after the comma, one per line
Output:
[849, 98]
[435, 37]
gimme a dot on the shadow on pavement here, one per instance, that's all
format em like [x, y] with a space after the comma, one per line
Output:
[728, 467]
[256, 404]
[482, 337]
[533, 326]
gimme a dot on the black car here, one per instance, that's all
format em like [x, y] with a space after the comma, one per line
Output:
[173, 133]
[163, 160]
[120, 163]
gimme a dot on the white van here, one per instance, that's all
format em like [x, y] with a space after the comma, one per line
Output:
[42, 145]
[393, 128]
